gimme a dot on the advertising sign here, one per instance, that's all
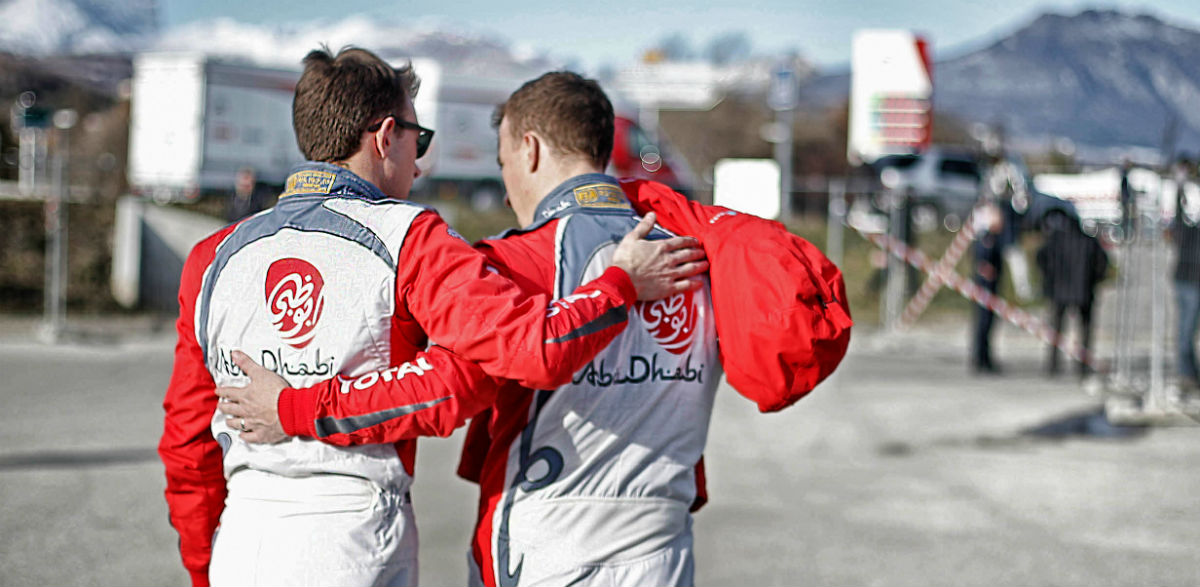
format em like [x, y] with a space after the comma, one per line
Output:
[891, 95]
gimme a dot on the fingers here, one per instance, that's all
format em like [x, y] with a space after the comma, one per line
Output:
[685, 255]
[686, 285]
[265, 434]
[691, 269]
[680, 242]
[238, 424]
[643, 228]
[247, 365]
[250, 368]
[229, 394]
[233, 409]
[688, 276]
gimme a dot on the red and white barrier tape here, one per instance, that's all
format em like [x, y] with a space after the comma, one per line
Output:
[1012, 314]
[937, 276]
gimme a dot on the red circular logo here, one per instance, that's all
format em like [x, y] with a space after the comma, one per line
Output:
[671, 321]
[294, 300]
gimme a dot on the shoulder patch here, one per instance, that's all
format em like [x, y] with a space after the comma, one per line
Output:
[601, 195]
[309, 182]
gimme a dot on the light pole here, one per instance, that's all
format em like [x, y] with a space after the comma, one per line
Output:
[55, 307]
[782, 97]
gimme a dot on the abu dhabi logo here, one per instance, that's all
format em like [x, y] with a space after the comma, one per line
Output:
[671, 321]
[294, 300]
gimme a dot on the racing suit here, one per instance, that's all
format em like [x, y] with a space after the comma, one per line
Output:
[589, 482]
[337, 279]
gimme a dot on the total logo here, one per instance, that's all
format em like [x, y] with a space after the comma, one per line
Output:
[671, 321]
[294, 300]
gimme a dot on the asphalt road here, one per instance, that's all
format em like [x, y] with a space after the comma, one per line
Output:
[904, 470]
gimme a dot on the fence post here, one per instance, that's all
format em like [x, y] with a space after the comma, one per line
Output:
[1155, 395]
[897, 269]
[55, 295]
[834, 232]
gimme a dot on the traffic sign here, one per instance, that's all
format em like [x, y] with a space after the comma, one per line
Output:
[33, 117]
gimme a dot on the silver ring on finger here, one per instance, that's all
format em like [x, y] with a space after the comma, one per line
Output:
[243, 425]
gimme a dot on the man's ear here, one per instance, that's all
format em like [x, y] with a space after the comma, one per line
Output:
[531, 151]
[381, 141]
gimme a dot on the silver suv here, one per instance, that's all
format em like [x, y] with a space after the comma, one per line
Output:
[943, 184]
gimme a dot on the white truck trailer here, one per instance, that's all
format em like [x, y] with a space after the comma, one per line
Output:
[195, 121]
[461, 161]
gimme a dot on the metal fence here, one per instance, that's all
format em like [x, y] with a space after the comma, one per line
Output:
[1147, 375]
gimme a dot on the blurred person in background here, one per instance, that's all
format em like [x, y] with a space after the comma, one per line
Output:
[1072, 264]
[988, 265]
[1185, 233]
[1003, 183]
[1128, 203]
[247, 198]
[342, 278]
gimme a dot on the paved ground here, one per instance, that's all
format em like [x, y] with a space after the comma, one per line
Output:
[902, 471]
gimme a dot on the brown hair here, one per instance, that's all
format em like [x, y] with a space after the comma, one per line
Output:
[569, 111]
[337, 98]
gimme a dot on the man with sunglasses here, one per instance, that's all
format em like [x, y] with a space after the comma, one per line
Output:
[424, 135]
[342, 279]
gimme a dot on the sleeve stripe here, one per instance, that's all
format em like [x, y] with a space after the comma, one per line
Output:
[612, 317]
[329, 425]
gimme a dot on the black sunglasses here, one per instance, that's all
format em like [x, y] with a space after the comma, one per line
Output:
[424, 135]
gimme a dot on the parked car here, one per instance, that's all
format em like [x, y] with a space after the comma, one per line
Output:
[943, 184]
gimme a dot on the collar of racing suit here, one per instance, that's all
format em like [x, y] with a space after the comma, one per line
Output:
[318, 178]
[592, 192]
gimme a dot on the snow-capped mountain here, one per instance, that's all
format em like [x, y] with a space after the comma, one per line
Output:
[1099, 78]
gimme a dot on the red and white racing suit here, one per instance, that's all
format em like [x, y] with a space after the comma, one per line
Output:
[339, 280]
[589, 482]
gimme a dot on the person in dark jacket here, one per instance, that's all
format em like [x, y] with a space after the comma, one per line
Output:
[989, 261]
[1072, 264]
[1185, 233]
[1128, 203]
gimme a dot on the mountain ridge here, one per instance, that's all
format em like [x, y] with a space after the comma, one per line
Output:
[1101, 78]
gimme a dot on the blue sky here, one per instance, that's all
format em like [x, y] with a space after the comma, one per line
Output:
[617, 32]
